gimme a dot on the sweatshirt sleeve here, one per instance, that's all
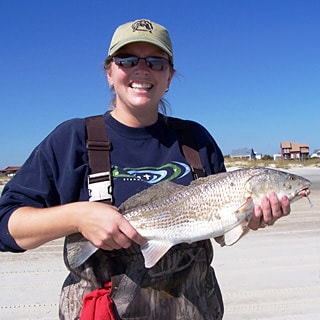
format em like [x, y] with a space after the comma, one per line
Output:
[55, 173]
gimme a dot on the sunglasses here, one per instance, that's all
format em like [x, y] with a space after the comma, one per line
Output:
[154, 63]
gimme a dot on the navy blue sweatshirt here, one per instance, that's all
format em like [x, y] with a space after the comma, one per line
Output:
[56, 171]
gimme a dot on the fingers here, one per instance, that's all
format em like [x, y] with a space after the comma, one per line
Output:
[131, 233]
[270, 210]
[255, 222]
[106, 227]
[285, 205]
[121, 236]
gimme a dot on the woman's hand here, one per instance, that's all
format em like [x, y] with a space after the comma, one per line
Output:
[270, 210]
[106, 227]
[100, 223]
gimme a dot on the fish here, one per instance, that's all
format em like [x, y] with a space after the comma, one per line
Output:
[218, 206]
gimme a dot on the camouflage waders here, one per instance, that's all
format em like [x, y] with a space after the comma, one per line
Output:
[182, 285]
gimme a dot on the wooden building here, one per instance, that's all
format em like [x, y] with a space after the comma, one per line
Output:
[294, 150]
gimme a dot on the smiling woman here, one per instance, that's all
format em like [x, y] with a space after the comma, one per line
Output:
[139, 74]
[131, 43]
[59, 192]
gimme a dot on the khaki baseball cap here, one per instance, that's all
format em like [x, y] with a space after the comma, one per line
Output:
[141, 30]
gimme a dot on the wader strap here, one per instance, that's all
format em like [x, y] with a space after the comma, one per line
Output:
[188, 146]
[98, 145]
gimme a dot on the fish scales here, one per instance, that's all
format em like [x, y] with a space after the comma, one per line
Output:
[194, 197]
[219, 205]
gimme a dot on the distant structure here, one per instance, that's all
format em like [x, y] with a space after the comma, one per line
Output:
[9, 171]
[316, 154]
[294, 150]
[258, 155]
[243, 153]
[277, 157]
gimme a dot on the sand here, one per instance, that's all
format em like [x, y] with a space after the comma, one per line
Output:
[273, 273]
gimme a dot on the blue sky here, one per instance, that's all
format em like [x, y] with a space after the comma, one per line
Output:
[248, 70]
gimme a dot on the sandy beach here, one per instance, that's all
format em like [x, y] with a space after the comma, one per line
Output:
[272, 273]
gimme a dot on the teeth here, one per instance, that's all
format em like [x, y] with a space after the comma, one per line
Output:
[141, 85]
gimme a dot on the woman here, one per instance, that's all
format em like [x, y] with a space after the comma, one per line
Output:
[49, 196]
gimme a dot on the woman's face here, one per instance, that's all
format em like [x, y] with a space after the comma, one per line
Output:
[139, 86]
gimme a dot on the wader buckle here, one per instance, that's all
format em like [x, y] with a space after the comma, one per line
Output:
[99, 185]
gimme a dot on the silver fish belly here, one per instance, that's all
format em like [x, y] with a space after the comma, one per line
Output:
[217, 206]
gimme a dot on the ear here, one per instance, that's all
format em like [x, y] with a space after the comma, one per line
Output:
[109, 77]
[171, 74]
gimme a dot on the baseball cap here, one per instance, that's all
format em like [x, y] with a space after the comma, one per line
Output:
[141, 30]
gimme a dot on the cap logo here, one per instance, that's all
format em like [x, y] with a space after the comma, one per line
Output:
[142, 25]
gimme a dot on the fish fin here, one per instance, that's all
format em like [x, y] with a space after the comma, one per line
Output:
[156, 193]
[153, 251]
[233, 235]
[236, 233]
[78, 250]
[210, 178]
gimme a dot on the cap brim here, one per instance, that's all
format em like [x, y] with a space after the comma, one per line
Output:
[123, 43]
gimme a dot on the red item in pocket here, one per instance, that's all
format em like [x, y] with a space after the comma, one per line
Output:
[98, 305]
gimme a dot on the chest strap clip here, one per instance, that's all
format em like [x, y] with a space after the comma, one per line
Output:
[99, 185]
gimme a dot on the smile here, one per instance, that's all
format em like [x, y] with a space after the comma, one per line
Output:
[140, 85]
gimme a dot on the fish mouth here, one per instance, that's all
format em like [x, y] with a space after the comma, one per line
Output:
[301, 193]
[305, 192]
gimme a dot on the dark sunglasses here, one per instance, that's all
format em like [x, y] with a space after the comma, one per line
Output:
[154, 63]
